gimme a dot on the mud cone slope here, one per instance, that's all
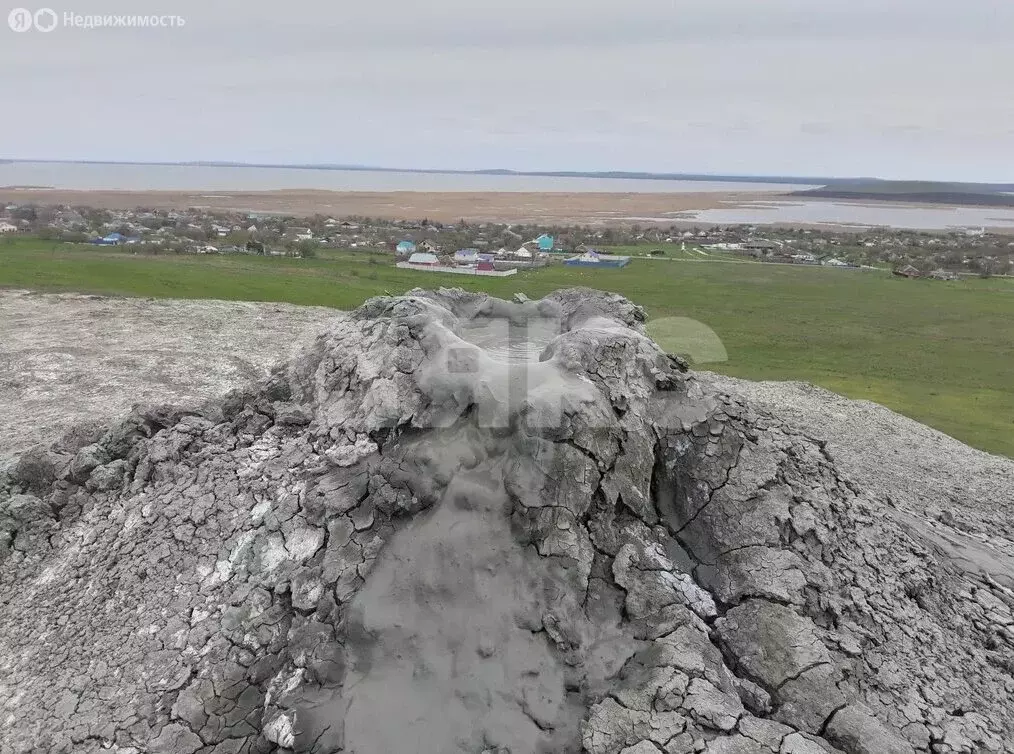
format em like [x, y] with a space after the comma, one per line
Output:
[410, 540]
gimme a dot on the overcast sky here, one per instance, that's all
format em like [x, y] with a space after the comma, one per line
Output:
[892, 88]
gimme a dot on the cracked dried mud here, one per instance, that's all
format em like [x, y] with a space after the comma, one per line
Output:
[394, 542]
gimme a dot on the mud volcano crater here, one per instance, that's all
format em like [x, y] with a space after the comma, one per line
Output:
[458, 524]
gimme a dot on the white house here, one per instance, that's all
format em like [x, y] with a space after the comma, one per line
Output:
[6, 227]
[424, 259]
[466, 256]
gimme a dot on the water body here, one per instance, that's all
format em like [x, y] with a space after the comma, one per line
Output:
[846, 214]
[107, 177]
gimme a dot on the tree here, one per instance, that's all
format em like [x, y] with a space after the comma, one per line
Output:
[307, 249]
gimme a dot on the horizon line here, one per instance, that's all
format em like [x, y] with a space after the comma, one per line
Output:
[616, 174]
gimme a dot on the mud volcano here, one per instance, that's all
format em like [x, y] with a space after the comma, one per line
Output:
[457, 524]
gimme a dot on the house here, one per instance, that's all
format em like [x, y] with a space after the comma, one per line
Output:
[545, 242]
[6, 227]
[424, 259]
[430, 247]
[466, 256]
[759, 246]
[833, 262]
[942, 274]
[908, 271]
[524, 253]
[595, 259]
[485, 263]
[113, 239]
[405, 248]
[804, 259]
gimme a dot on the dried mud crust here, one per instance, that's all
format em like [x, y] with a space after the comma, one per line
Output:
[396, 543]
[66, 359]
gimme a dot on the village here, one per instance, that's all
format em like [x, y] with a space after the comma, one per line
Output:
[497, 249]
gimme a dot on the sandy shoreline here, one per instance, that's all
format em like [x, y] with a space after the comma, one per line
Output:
[450, 206]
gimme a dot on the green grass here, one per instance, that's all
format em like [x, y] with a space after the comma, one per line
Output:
[940, 353]
[675, 251]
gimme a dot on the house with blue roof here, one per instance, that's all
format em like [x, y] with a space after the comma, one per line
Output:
[545, 242]
[405, 248]
[113, 239]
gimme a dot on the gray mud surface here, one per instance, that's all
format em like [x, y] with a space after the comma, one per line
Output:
[68, 358]
[398, 541]
[961, 497]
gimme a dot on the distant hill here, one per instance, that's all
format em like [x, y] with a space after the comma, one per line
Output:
[647, 176]
[639, 175]
[848, 188]
[923, 192]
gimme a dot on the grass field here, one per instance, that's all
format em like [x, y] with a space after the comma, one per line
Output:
[941, 353]
[672, 251]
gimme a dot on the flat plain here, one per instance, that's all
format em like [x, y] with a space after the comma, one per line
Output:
[938, 352]
[556, 208]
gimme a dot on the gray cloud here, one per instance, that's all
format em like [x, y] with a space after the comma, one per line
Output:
[783, 86]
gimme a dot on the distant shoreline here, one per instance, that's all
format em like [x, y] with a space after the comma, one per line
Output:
[601, 209]
[825, 181]
[948, 198]
[618, 174]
